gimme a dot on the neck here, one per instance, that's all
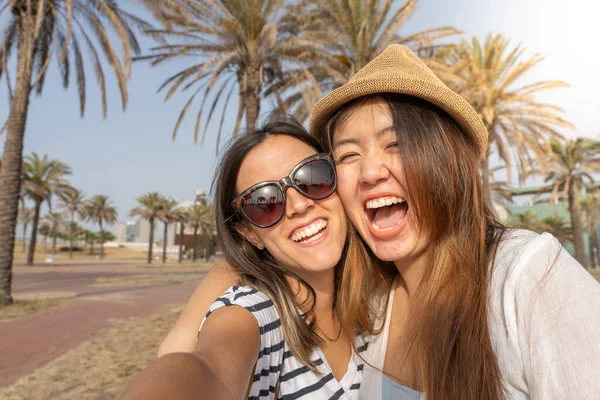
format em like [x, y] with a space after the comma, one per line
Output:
[323, 285]
[411, 270]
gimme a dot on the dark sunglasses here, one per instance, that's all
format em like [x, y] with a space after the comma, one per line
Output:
[263, 204]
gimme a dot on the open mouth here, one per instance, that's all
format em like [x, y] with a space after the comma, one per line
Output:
[386, 213]
[310, 233]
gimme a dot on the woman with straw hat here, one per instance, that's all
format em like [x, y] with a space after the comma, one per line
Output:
[477, 311]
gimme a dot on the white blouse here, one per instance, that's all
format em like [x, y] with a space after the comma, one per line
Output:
[544, 323]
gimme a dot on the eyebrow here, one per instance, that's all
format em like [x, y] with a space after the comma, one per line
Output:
[378, 135]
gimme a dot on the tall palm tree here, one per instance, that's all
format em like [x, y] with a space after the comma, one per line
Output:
[55, 221]
[354, 32]
[572, 163]
[182, 217]
[72, 201]
[149, 208]
[25, 218]
[42, 178]
[99, 209]
[167, 215]
[232, 46]
[591, 206]
[32, 33]
[487, 75]
[200, 217]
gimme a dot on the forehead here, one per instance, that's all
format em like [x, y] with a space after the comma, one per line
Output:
[368, 121]
[272, 160]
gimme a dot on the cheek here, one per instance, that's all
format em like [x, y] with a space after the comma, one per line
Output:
[346, 188]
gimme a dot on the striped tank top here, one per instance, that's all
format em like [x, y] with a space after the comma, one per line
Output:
[276, 363]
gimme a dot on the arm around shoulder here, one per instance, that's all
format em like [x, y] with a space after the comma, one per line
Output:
[183, 335]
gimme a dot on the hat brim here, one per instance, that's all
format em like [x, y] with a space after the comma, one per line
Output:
[456, 106]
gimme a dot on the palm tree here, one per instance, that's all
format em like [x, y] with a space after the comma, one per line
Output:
[54, 221]
[167, 215]
[72, 201]
[75, 233]
[354, 32]
[25, 218]
[527, 220]
[200, 217]
[33, 32]
[232, 46]
[99, 209]
[591, 206]
[519, 126]
[181, 216]
[572, 163]
[44, 230]
[559, 228]
[90, 238]
[149, 208]
[42, 178]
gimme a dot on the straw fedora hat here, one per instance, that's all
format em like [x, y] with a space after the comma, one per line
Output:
[398, 70]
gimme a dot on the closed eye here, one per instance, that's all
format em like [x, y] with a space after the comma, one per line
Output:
[345, 157]
[393, 145]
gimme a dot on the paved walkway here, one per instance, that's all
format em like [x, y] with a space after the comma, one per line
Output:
[30, 342]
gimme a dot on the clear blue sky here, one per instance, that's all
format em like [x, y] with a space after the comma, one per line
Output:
[132, 153]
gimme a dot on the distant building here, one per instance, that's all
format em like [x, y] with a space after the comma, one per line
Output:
[133, 231]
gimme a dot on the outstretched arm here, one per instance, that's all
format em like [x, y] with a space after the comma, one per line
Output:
[183, 336]
[220, 367]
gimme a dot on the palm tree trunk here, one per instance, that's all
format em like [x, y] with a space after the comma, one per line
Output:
[165, 243]
[252, 96]
[150, 240]
[12, 159]
[24, 237]
[101, 239]
[195, 244]
[576, 223]
[54, 244]
[92, 247]
[181, 229]
[485, 179]
[34, 229]
[71, 236]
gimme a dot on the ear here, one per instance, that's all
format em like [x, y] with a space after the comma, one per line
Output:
[249, 234]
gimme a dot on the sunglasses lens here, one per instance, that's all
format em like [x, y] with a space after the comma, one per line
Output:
[264, 206]
[316, 179]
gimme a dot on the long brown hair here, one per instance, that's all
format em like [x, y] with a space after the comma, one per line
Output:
[356, 275]
[450, 336]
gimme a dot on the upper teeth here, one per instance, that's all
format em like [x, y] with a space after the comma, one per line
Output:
[384, 201]
[310, 230]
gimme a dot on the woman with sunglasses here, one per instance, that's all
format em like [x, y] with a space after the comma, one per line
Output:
[478, 311]
[282, 329]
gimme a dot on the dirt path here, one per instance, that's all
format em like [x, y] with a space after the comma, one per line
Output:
[31, 342]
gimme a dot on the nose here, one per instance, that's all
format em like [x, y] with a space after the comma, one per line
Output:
[296, 203]
[373, 170]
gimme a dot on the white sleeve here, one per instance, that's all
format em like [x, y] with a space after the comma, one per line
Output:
[558, 312]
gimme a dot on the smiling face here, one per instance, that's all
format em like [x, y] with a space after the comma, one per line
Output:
[311, 235]
[372, 184]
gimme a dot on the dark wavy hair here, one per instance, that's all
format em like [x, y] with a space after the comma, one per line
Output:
[357, 275]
